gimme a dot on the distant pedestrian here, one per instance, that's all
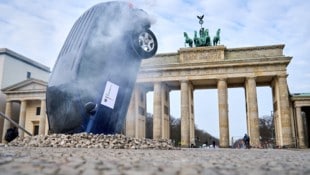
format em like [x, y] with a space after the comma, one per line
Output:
[193, 143]
[213, 143]
[246, 140]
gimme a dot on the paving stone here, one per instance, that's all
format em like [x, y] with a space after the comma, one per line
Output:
[101, 161]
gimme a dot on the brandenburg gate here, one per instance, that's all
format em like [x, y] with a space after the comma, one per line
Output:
[213, 67]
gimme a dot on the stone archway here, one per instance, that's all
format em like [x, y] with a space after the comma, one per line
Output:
[220, 68]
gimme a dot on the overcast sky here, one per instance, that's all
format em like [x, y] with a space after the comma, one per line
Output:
[37, 29]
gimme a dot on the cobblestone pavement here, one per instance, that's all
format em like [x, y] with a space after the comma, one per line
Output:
[67, 161]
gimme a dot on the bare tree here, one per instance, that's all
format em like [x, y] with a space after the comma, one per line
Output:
[266, 129]
[202, 137]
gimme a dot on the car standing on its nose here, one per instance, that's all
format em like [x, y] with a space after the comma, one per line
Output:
[93, 78]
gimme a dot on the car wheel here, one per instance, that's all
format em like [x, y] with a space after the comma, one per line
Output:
[145, 43]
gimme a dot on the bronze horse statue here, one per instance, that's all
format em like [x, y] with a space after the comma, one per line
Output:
[196, 39]
[216, 38]
[203, 39]
[188, 40]
[207, 38]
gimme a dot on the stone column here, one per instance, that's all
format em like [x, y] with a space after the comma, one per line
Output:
[223, 113]
[157, 114]
[277, 125]
[42, 118]
[185, 113]
[300, 128]
[130, 117]
[252, 111]
[6, 125]
[166, 112]
[191, 116]
[140, 107]
[287, 137]
[22, 117]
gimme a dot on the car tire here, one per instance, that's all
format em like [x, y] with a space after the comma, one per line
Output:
[145, 43]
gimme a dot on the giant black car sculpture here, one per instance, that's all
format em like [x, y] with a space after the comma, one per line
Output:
[93, 78]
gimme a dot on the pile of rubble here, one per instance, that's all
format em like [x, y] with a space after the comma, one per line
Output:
[85, 140]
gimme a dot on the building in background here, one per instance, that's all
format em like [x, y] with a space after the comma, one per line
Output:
[25, 76]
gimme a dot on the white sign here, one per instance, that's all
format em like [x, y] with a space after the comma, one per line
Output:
[109, 94]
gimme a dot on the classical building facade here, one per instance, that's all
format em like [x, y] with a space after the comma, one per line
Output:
[220, 68]
[32, 113]
[16, 68]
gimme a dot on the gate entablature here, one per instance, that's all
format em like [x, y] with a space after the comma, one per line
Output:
[204, 65]
[214, 54]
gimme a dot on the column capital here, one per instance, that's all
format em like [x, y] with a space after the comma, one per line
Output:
[222, 79]
[141, 87]
[251, 78]
[221, 83]
[22, 100]
[282, 75]
[157, 82]
[297, 107]
[184, 81]
[188, 82]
